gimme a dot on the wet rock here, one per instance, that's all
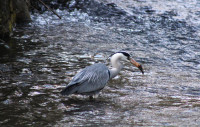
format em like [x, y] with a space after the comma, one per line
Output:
[22, 11]
[12, 11]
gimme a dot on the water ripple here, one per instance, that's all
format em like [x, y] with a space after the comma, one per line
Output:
[44, 56]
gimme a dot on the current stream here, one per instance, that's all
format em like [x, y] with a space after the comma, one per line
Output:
[41, 58]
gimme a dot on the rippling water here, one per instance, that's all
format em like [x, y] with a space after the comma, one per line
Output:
[42, 57]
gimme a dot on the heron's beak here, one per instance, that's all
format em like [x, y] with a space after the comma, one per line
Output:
[137, 65]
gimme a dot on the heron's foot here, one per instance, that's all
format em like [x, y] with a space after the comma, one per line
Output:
[91, 97]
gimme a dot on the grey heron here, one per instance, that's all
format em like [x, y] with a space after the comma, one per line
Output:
[93, 78]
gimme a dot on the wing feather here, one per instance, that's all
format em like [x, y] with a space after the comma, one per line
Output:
[91, 79]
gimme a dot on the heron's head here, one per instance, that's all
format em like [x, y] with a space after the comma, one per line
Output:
[125, 56]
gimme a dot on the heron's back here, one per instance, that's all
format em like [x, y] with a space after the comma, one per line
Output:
[88, 81]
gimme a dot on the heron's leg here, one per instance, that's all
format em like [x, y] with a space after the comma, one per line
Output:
[91, 97]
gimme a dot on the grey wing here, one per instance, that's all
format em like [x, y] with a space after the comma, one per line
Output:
[92, 78]
[95, 78]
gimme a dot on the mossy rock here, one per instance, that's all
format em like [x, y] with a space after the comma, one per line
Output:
[12, 12]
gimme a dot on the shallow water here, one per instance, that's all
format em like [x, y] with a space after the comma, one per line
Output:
[42, 57]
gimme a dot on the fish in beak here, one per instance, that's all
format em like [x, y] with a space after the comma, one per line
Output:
[137, 65]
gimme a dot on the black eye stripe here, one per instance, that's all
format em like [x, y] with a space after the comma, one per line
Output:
[125, 54]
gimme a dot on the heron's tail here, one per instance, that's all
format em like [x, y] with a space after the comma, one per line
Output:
[70, 89]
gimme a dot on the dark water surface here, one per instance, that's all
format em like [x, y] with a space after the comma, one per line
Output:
[43, 56]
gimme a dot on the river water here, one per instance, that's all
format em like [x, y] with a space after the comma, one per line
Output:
[41, 58]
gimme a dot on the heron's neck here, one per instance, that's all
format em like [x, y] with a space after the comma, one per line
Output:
[116, 67]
